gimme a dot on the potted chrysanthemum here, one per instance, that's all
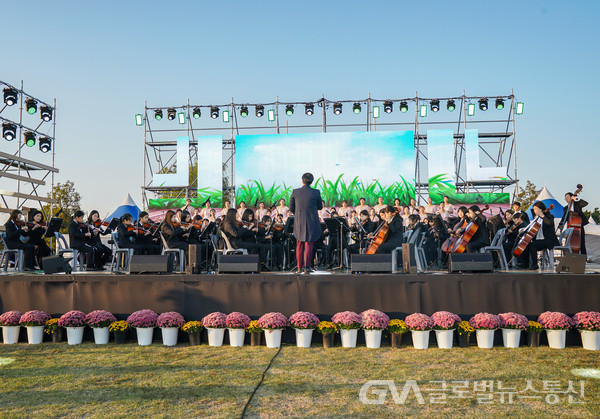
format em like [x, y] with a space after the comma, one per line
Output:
[556, 325]
[444, 324]
[144, 322]
[237, 323]
[10, 326]
[328, 330]
[193, 329]
[169, 324]
[464, 330]
[485, 325]
[397, 328]
[53, 329]
[34, 321]
[74, 323]
[215, 324]
[255, 333]
[348, 322]
[99, 320]
[588, 325]
[534, 330]
[419, 325]
[373, 324]
[273, 325]
[512, 324]
[119, 328]
[304, 323]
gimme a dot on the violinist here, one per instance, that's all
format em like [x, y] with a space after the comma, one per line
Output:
[15, 228]
[481, 237]
[36, 237]
[127, 235]
[365, 227]
[395, 236]
[79, 234]
[577, 207]
[241, 236]
[149, 240]
[267, 235]
[94, 225]
[545, 238]
[175, 234]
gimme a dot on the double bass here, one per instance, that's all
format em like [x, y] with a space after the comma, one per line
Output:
[575, 222]
[530, 233]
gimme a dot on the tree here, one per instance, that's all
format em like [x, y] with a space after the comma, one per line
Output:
[67, 199]
[595, 215]
[527, 196]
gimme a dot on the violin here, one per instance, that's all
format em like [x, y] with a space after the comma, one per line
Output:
[530, 234]
[137, 229]
[575, 222]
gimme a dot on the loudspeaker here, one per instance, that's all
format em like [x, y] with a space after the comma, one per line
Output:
[239, 263]
[571, 263]
[194, 259]
[470, 262]
[409, 263]
[371, 263]
[55, 264]
[150, 264]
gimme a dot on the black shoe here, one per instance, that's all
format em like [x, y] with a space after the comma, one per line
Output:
[534, 267]
[309, 270]
[30, 269]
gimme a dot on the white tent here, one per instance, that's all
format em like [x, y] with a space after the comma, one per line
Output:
[548, 199]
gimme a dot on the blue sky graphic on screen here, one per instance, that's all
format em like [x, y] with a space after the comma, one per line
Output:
[346, 165]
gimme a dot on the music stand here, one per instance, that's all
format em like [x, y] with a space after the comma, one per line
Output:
[335, 225]
[288, 229]
[54, 226]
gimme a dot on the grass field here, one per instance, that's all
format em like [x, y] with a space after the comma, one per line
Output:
[184, 381]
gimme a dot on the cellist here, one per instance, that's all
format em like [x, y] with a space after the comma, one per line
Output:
[577, 207]
[481, 237]
[396, 234]
[545, 238]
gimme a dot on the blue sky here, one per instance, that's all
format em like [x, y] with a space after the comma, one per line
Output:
[102, 60]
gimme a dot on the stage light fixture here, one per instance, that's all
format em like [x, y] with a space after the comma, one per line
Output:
[271, 115]
[196, 113]
[376, 111]
[403, 106]
[289, 110]
[423, 111]
[309, 109]
[171, 114]
[356, 108]
[225, 116]
[45, 144]
[46, 113]
[260, 111]
[337, 108]
[483, 104]
[181, 118]
[451, 105]
[10, 96]
[9, 131]
[499, 104]
[244, 111]
[138, 121]
[388, 106]
[471, 109]
[214, 112]
[29, 138]
[520, 106]
[158, 114]
[435, 105]
[31, 106]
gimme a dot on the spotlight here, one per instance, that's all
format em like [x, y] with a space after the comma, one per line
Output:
[435, 105]
[309, 109]
[471, 110]
[403, 106]
[244, 111]
[499, 104]
[196, 113]
[337, 108]
[356, 108]
[31, 106]
[451, 105]
[171, 114]
[423, 111]
[46, 113]
[158, 114]
[139, 121]
[29, 138]
[214, 112]
[520, 106]
[9, 131]
[388, 106]
[10, 96]
[45, 144]
[289, 110]
[260, 110]
[483, 104]
[181, 118]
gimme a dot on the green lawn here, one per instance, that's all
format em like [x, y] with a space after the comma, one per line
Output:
[183, 381]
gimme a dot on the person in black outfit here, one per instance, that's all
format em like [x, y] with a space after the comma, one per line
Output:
[103, 252]
[241, 237]
[78, 235]
[577, 207]
[36, 238]
[366, 227]
[481, 237]
[15, 228]
[151, 242]
[127, 235]
[545, 238]
[511, 236]
[176, 235]
[516, 207]
[395, 236]
[269, 239]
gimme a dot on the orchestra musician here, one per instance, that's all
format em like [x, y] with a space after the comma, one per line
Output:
[36, 238]
[266, 235]
[463, 219]
[481, 237]
[128, 236]
[395, 236]
[241, 236]
[516, 207]
[94, 240]
[150, 241]
[545, 238]
[174, 233]
[577, 207]
[511, 235]
[366, 227]
[79, 234]
[15, 228]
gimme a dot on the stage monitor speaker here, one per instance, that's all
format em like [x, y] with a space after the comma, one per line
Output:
[571, 263]
[239, 263]
[371, 263]
[194, 259]
[470, 262]
[409, 263]
[150, 264]
[56, 264]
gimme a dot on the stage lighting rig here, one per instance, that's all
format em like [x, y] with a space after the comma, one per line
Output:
[171, 114]
[158, 115]
[289, 110]
[520, 106]
[29, 138]
[499, 104]
[337, 108]
[31, 106]
[483, 104]
[196, 113]
[9, 131]
[46, 113]
[356, 108]
[451, 105]
[403, 106]
[45, 144]
[388, 106]
[244, 111]
[309, 109]
[10, 96]
[214, 112]
[435, 105]
[260, 110]
[471, 109]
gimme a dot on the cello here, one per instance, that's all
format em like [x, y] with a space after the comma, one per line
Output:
[461, 243]
[530, 233]
[575, 222]
[380, 236]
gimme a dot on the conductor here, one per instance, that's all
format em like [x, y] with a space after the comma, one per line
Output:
[304, 204]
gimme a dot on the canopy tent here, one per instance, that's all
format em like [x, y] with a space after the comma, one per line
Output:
[126, 207]
[548, 199]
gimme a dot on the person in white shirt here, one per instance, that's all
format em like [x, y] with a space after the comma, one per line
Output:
[442, 211]
[413, 206]
[373, 215]
[282, 209]
[205, 212]
[380, 205]
[398, 206]
[241, 210]
[325, 212]
[430, 208]
[362, 206]
[448, 206]
[261, 211]
[422, 213]
[405, 217]
[212, 216]
[345, 210]
[188, 206]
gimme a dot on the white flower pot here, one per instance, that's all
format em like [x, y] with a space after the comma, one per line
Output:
[236, 337]
[511, 337]
[444, 338]
[101, 335]
[420, 338]
[169, 335]
[273, 338]
[373, 339]
[485, 338]
[556, 338]
[215, 336]
[144, 335]
[590, 340]
[303, 337]
[75, 335]
[348, 337]
[10, 334]
[35, 335]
